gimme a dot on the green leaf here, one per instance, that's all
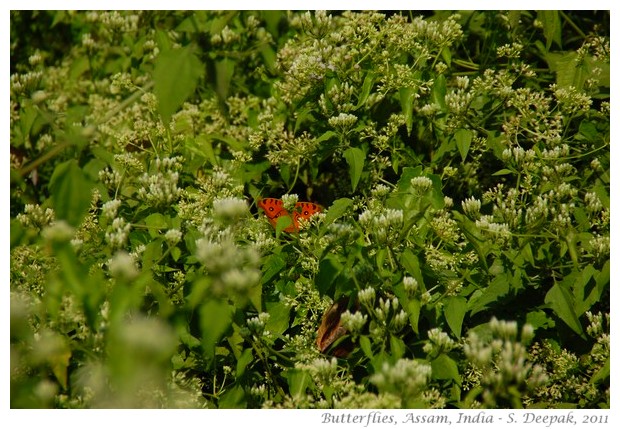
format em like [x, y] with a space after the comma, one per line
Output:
[447, 146]
[337, 209]
[404, 182]
[272, 266]
[269, 57]
[503, 172]
[583, 299]
[588, 130]
[233, 397]
[215, 320]
[406, 104]
[176, 253]
[244, 359]
[57, 354]
[255, 295]
[602, 374]
[224, 70]
[411, 263]
[552, 27]
[329, 269]
[272, 21]
[455, 310]
[436, 196]
[369, 81]
[176, 76]
[326, 136]
[152, 254]
[438, 93]
[444, 368]
[366, 346]
[202, 145]
[155, 223]
[278, 317]
[463, 141]
[498, 287]
[570, 70]
[446, 54]
[282, 223]
[413, 311]
[285, 173]
[397, 347]
[298, 382]
[71, 192]
[539, 319]
[355, 158]
[562, 303]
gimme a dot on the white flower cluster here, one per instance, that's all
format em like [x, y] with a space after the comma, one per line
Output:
[35, 216]
[123, 266]
[233, 269]
[353, 322]
[421, 184]
[438, 342]
[117, 233]
[160, 188]
[384, 225]
[256, 325]
[110, 208]
[407, 378]
[503, 360]
[230, 210]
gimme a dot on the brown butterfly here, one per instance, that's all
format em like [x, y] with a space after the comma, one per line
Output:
[274, 209]
[331, 330]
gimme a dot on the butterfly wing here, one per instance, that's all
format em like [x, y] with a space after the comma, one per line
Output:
[274, 209]
[331, 330]
[304, 210]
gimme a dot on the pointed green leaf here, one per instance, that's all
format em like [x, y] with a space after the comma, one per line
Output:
[445, 368]
[224, 70]
[329, 269]
[411, 263]
[455, 310]
[278, 317]
[355, 159]
[337, 209]
[176, 76]
[233, 398]
[298, 382]
[397, 347]
[463, 141]
[602, 374]
[244, 359]
[71, 192]
[406, 104]
[369, 81]
[413, 311]
[562, 303]
[156, 222]
[366, 347]
[272, 266]
[498, 287]
[438, 92]
[282, 223]
[215, 320]
[552, 27]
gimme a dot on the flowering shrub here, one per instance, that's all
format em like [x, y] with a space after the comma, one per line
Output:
[462, 258]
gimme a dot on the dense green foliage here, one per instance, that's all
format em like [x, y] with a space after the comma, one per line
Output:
[462, 160]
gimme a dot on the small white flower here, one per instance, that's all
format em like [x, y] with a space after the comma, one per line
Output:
[122, 266]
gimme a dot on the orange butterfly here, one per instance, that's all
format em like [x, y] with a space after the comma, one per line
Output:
[274, 209]
[331, 330]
